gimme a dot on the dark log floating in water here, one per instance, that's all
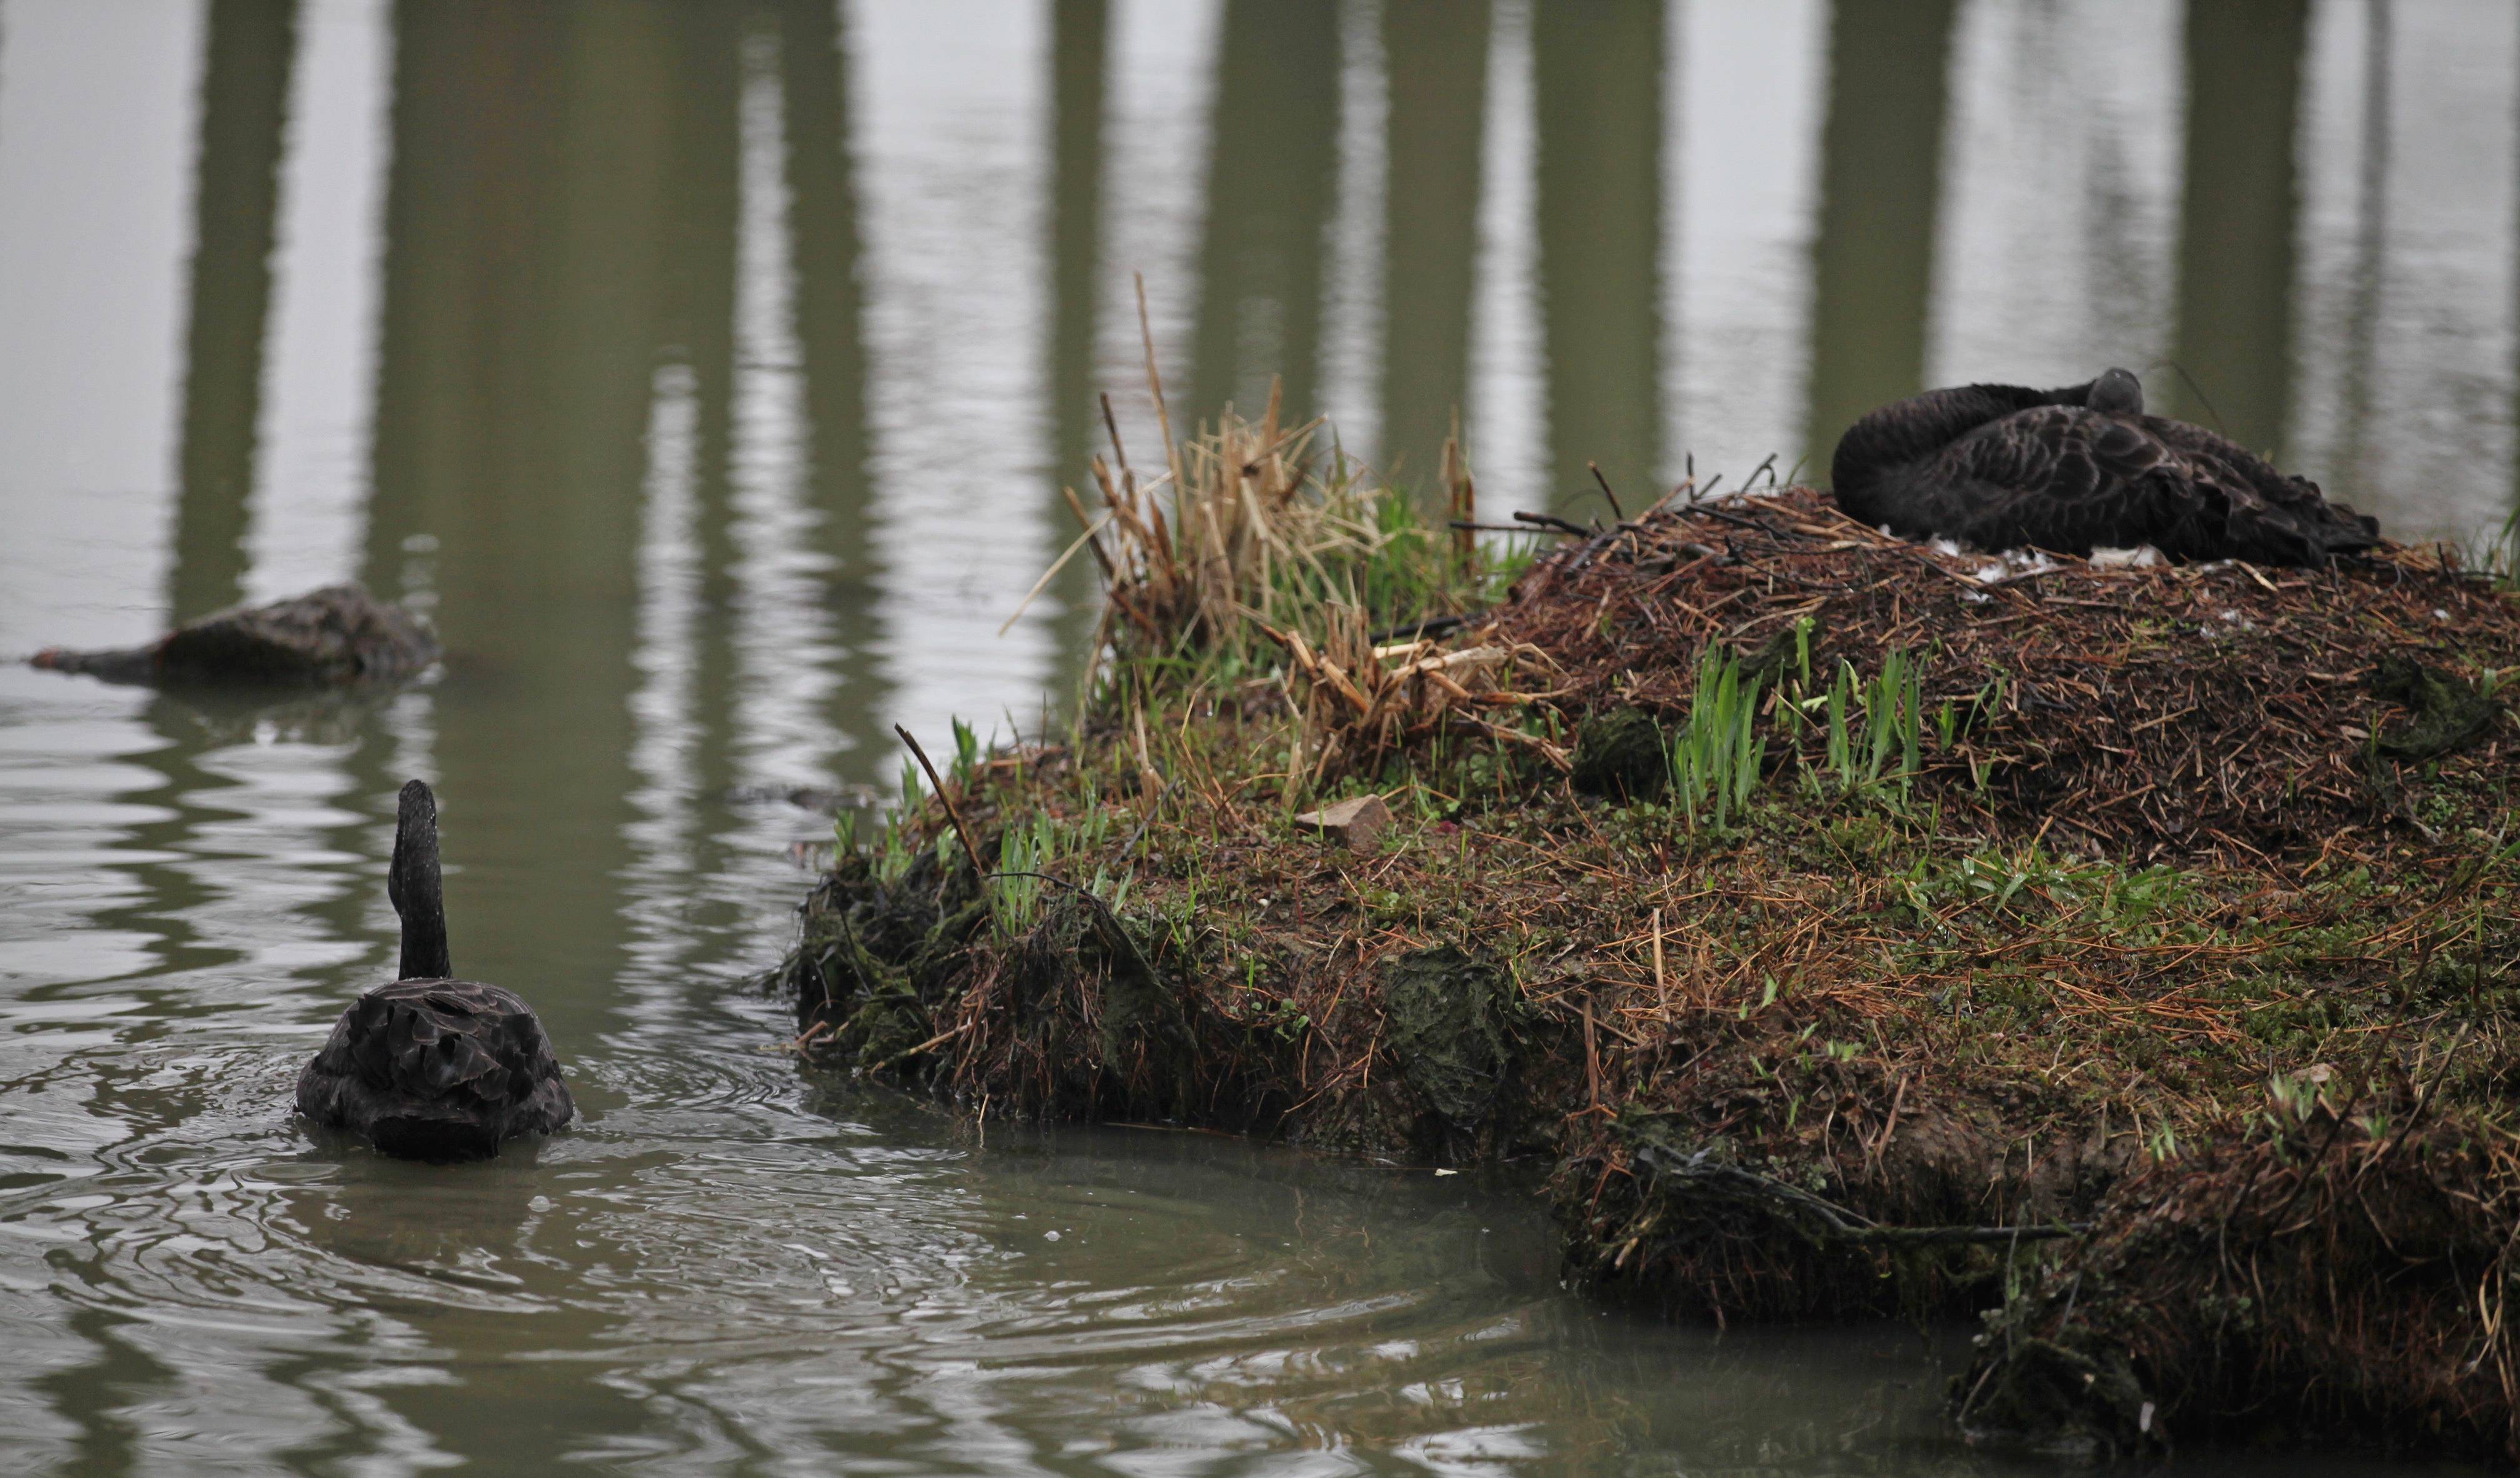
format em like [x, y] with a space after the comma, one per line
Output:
[2003, 466]
[333, 636]
[427, 1067]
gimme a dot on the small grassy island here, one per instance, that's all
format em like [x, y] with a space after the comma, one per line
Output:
[2125, 953]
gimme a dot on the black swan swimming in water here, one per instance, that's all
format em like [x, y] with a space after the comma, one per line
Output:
[2003, 467]
[426, 1067]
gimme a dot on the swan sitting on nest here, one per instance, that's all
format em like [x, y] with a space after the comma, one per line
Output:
[2078, 468]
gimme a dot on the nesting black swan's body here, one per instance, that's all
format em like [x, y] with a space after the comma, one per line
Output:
[2071, 470]
[427, 1067]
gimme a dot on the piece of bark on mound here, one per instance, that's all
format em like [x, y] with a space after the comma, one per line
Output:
[336, 635]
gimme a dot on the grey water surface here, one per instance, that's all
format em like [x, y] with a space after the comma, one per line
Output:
[708, 371]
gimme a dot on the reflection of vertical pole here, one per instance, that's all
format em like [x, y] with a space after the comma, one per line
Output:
[2237, 210]
[1079, 49]
[525, 279]
[1272, 157]
[1873, 264]
[2370, 255]
[528, 246]
[454, 184]
[99, 1398]
[1437, 53]
[703, 197]
[1598, 96]
[180, 802]
[1079, 30]
[250, 55]
[824, 247]
[251, 49]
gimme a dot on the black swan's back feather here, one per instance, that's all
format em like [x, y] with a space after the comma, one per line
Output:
[2003, 467]
[429, 1067]
[437, 1070]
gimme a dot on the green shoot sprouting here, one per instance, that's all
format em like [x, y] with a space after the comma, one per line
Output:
[966, 754]
[1872, 721]
[1024, 853]
[1717, 757]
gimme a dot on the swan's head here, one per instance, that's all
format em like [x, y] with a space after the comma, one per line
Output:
[2117, 393]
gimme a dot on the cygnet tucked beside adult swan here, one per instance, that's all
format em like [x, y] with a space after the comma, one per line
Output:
[429, 1067]
[2005, 467]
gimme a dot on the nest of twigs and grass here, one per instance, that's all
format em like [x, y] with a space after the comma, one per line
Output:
[1849, 925]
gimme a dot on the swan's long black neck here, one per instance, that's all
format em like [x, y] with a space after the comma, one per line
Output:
[413, 886]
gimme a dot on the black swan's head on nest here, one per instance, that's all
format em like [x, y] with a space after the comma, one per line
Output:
[2117, 393]
[413, 884]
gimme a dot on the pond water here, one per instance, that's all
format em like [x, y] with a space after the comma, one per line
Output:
[710, 371]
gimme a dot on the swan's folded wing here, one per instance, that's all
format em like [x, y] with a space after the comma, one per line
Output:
[2266, 515]
[2060, 477]
[2059, 452]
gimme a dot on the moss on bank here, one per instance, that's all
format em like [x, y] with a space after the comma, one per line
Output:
[2088, 946]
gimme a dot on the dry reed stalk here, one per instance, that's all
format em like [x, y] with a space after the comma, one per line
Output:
[1250, 532]
[1464, 497]
[1361, 702]
[1662, 982]
[1249, 528]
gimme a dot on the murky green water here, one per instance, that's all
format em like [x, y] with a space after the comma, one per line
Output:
[708, 370]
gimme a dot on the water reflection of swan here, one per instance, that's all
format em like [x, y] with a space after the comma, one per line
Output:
[2003, 466]
[430, 1067]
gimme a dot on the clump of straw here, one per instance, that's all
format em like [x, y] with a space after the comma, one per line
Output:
[1361, 702]
[1264, 554]
[1257, 554]
[1250, 529]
